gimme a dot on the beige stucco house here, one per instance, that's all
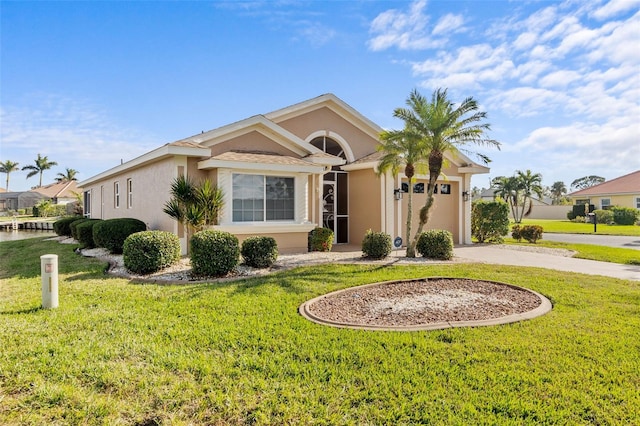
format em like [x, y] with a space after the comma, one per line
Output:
[284, 173]
[623, 191]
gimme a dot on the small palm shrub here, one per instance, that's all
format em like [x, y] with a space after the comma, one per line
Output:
[214, 253]
[531, 233]
[74, 225]
[516, 232]
[146, 252]
[111, 233]
[376, 245]
[62, 226]
[259, 252]
[436, 244]
[624, 215]
[84, 232]
[320, 239]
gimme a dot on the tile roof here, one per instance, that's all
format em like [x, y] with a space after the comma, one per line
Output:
[260, 157]
[59, 189]
[622, 185]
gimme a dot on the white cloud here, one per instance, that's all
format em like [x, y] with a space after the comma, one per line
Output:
[615, 7]
[62, 128]
[559, 79]
[448, 24]
[404, 30]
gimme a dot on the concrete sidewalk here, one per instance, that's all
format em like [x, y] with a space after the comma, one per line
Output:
[502, 255]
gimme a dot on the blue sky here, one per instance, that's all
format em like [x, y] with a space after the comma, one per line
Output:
[89, 84]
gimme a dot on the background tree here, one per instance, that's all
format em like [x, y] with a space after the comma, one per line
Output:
[530, 184]
[41, 164]
[67, 176]
[558, 191]
[518, 191]
[7, 167]
[440, 126]
[402, 149]
[587, 182]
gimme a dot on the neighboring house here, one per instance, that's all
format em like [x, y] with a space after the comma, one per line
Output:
[282, 174]
[542, 209]
[58, 193]
[623, 191]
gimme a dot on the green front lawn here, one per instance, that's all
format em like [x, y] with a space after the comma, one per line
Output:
[568, 227]
[239, 353]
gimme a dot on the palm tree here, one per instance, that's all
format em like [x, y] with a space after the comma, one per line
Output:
[441, 126]
[508, 188]
[530, 184]
[67, 176]
[8, 167]
[194, 206]
[558, 190]
[42, 164]
[402, 149]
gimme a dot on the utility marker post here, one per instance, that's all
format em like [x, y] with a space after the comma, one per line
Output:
[49, 274]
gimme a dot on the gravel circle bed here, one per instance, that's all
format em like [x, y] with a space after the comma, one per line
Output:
[429, 303]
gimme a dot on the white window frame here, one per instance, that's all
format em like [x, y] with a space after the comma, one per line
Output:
[602, 203]
[116, 194]
[129, 194]
[87, 203]
[264, 200]
[638, 203]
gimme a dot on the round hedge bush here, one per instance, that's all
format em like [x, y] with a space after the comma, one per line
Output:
[146, 252]
[111, 233]
[259, 252]
[74, 225]
[84, 232]
[214, 253]
[436, 244]
[376, 245]
[320, 239]
[62, 226]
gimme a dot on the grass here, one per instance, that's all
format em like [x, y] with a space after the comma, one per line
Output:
[238, 353]
[568, 227]
[592, 252]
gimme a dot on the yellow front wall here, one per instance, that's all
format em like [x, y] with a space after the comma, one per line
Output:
[616, 200]
[365, 211]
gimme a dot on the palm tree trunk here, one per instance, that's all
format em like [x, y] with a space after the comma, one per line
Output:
[411, 247]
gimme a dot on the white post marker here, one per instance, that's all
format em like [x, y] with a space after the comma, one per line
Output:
[49, 274]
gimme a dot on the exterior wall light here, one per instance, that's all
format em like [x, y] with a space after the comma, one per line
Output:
[465, 195]
[397, 193]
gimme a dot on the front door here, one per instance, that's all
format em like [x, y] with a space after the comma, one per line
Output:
[335, 210]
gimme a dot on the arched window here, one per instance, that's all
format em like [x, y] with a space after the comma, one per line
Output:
[329, 146]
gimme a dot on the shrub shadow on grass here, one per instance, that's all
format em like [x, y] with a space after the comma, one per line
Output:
[22, 311]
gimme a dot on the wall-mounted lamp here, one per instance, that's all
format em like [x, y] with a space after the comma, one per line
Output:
[397, 193]
[465, 195]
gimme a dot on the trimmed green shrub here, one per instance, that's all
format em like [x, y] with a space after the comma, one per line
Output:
[62, 226]
[259, 252]
[214, 253]
[376, 245]
[84, 233]
[516, 232]
[111, 233]
[146, 252]
[74, 225]
[436, 244]
[489, 221]
[531, 233]
[604, 216]
[624, 215]
[320, 239]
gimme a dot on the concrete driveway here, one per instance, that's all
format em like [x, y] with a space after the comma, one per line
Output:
[599, 240]
[503, 255]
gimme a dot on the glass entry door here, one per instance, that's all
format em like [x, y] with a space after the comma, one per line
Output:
[335, 210]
